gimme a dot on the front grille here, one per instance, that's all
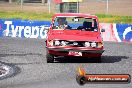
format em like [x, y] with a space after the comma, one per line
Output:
[74, 43]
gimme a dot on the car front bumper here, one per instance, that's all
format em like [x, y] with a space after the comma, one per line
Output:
[95, 52]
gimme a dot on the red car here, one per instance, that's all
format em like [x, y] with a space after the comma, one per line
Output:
[74, 34]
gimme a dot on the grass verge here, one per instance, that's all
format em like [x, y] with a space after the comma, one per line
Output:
[103, 18]
[25, 15]
[114, 18]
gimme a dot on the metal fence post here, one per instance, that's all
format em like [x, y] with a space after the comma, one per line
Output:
[21, 5]
[77, 7]
[49, 5]
[43, 1]
[10, 1]
[107, 8]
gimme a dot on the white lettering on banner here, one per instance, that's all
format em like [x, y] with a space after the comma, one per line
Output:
[8, 23]
[35, 32]
[28, 31]
[42, 32]
[20, 30]
[127, 30]
[14, 30]
[116, 33]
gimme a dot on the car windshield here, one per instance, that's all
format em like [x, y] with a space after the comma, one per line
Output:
[75, 23]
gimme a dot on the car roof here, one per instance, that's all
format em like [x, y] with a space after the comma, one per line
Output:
[74, 15]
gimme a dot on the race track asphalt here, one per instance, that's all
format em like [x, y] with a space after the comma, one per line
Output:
[27, 56]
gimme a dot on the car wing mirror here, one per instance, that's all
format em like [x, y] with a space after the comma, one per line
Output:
[102, 30]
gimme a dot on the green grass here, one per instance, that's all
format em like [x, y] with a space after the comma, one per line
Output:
[25, 15]
[114, 18]
[45, 16]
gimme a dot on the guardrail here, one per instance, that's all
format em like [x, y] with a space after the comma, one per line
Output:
[37, 29]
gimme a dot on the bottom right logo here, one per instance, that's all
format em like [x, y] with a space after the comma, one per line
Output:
[83, 78]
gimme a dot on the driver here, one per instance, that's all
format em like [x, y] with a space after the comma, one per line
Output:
[66, 26]
[61, 21]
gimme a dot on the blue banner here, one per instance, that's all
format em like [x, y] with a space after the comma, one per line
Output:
[38, 29]
[124, 32]
[23, 28]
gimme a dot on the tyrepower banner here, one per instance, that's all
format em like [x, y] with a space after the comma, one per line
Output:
[38, 29]
[24, 28]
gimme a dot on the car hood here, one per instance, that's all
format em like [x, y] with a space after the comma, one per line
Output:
[76, 35]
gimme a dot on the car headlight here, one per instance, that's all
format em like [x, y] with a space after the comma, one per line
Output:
[50, 42]
[93, 44]
[100, 44]
[57, 43]
[87, 44]
[63, 43]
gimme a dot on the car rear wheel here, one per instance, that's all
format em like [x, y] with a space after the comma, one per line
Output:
[50, 58]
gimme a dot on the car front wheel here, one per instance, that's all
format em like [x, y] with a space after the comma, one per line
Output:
[98, 59]
[50, 58]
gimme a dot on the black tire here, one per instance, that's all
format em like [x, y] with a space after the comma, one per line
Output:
[81, 80]
[50, 58]
[98, 59]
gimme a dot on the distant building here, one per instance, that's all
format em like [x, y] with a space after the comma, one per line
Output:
[27, 1]
[67, 6]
